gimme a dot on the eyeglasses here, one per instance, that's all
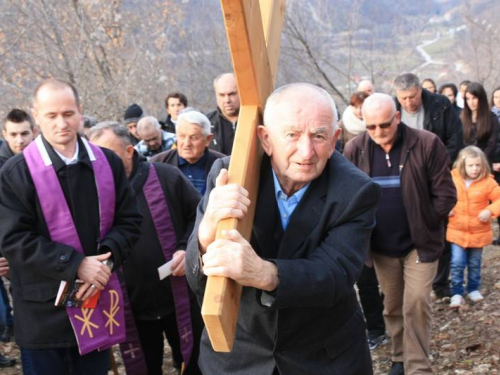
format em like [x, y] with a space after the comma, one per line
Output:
[385, 125]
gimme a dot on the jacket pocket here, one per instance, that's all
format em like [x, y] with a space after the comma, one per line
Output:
[350, 333]
[40, 292]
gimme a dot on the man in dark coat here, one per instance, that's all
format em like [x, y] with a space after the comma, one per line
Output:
[314, 214]
[18, 132]
[412, 168]
[225, 117]
[38, 264]
[153, 301]
[422, 109]
[192, 155]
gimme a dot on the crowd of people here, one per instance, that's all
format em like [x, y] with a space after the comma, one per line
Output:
[387, 204]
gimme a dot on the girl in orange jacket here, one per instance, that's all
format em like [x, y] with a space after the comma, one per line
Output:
[469, 226]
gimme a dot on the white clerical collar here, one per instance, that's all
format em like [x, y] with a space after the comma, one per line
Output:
[72, 160]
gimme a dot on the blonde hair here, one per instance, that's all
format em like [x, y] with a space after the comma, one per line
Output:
[472, 152]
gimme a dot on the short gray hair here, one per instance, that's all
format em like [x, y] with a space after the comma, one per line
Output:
[118, 129]
[377, 101]
[192, 116]
[406, 82]
[148, 122]
[271, 111]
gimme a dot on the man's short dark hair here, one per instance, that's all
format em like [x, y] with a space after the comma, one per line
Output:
[58, 83]
[406, 82]
[177, 95]
[464, 83]
[18, 116]
[450, 86]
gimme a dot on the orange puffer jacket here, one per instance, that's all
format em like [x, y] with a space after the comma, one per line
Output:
[464, 228]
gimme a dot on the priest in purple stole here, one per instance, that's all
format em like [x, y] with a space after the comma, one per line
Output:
[67, 213]
[168, 203]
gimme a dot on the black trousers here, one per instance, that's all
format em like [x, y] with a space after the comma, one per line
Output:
[372, 301]
[151, 335]
[441, 283]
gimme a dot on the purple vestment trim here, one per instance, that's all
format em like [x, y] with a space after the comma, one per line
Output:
[131, 349]
[104, 326]
[162, 220]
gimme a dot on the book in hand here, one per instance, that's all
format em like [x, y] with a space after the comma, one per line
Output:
[66, 296]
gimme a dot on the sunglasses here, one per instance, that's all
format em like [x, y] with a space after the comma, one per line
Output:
[381, 126]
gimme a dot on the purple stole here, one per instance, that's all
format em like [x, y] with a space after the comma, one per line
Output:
[104, 326]
[160, 213]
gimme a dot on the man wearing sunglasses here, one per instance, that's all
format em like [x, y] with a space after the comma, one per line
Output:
[412, 168]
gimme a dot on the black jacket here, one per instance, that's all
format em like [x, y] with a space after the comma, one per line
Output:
[223, 131]
[168, 125]
[38, 264]
[314, 325]
[426, 185]
[443, 120]
[152, 298]
[5, 153]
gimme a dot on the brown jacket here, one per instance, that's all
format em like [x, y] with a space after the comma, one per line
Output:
[426, 185]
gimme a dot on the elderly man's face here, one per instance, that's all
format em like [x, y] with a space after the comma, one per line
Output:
[410, 100]
[382, 125]
[191, 143]
[152, 138]
[301, 143]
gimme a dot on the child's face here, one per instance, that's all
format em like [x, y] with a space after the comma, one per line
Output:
[472, 167]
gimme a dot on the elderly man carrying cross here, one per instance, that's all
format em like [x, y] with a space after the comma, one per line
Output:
[314, 215]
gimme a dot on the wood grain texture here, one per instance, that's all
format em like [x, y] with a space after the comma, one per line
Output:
[255, 78]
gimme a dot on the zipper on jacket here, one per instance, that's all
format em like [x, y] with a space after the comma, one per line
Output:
[401, 166]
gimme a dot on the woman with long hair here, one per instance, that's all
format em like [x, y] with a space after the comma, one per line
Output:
[480, 125]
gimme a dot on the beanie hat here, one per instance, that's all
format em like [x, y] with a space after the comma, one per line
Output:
[133, 114]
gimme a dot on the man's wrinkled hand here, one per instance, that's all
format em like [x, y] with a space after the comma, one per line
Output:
[225, 201]
[234, 257]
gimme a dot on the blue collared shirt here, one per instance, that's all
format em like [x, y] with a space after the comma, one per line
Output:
[286, 205]
[195, 172]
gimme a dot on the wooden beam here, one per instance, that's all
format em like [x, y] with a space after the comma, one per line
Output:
[245, 35]
[273, 15]
[222, 295]
[255, 81]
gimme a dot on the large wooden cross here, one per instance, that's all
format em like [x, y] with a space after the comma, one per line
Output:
[254, 32]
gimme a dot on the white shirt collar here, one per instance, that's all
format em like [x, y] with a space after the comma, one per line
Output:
[72, 160]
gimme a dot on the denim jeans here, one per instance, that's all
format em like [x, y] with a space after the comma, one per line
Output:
[9, 320]
[3, 315]
[461, 258]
